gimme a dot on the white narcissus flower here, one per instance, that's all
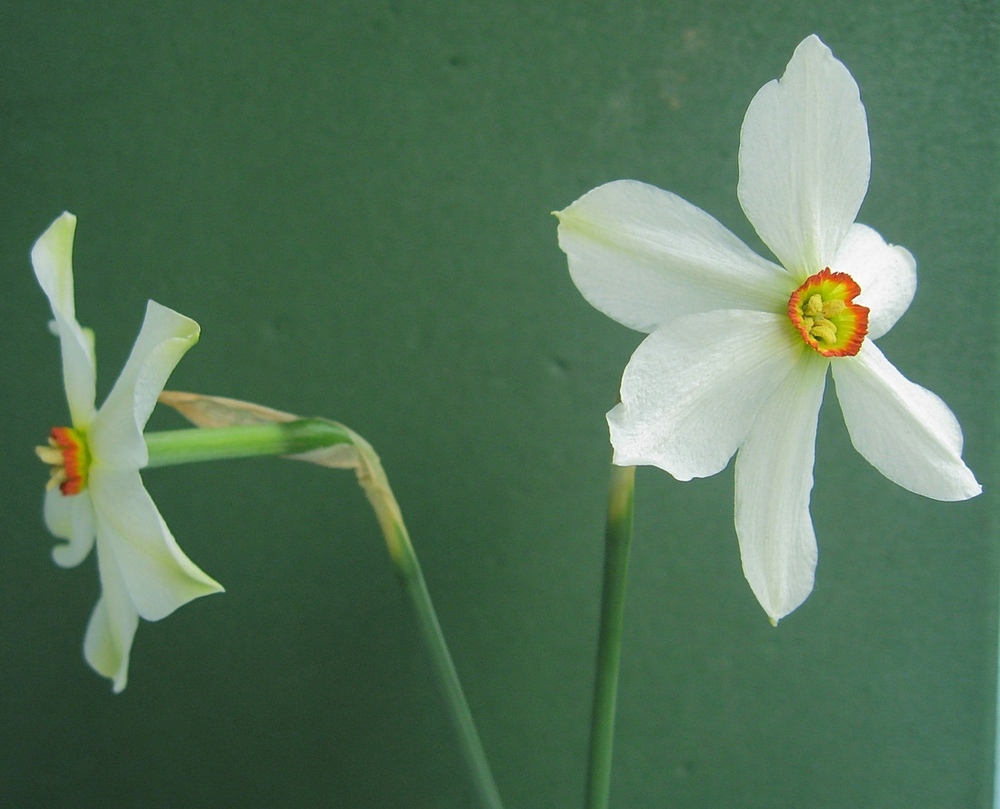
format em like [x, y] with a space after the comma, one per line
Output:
[738, 347]
[95, 490]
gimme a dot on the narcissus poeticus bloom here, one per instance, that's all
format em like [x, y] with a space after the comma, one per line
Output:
[95, 491]
[738, 347]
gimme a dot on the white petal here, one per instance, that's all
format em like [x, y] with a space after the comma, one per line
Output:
[774, 476]
[70, 518]
[805, 159]
[116, 432]
[644, 256]
[52, 260]
[108, 641]
[158, 575]
[691, 391]
[886, 273]
[902, 429]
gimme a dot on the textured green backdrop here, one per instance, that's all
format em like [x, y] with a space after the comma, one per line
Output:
[353, 200]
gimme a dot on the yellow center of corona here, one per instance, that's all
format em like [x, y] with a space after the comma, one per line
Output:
[67, 455]
[825, 315]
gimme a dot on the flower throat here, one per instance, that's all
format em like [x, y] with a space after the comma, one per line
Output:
[825, 315]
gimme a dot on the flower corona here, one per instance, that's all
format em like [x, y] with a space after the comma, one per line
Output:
[824, 312]
[69, 458]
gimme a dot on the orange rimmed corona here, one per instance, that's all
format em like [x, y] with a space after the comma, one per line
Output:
[823, 311]
[69, 459]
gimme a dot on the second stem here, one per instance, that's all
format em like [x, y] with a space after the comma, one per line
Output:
[618, 542]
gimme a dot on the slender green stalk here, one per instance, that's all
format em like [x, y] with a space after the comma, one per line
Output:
[618, 541]
[244, 441]
[404, 558]
[472, 748]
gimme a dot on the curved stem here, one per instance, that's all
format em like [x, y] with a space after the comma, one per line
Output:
[231, 428]
[618, 541]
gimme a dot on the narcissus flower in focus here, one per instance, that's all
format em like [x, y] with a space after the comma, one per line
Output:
[738, 347]
[95, 491]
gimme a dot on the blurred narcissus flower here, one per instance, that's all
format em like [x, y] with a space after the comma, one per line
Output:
[95, 491]
[738, 348]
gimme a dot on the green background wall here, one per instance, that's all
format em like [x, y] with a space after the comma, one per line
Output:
[353, 200]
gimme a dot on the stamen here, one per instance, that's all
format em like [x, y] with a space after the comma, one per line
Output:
[825, 332]
[67, 454]
[833, 308]
[825, 315]
[814, 306]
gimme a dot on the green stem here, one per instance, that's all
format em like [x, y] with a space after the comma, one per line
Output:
[376, 486]
[472, 746]
[618, 541]
[222, 443]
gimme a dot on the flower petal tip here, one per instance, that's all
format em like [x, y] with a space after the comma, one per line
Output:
[52, 262]
[969, 488]
[813, 41]
[69, 554]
